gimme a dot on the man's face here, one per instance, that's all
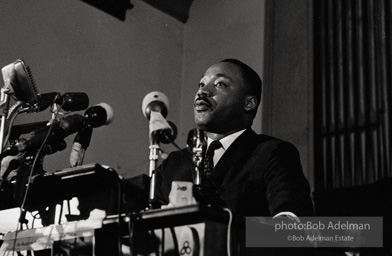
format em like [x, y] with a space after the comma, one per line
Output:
[219, 102]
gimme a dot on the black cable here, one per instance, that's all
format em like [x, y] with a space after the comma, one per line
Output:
[22, 215]
[119, 208]
[23, 211]
[35, 162]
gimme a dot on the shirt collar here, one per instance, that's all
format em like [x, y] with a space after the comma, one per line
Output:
[228, 140]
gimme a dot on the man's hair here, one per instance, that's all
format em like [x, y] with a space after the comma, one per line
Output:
[251, 78]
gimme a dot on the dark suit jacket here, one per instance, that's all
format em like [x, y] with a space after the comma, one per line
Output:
[258, 176]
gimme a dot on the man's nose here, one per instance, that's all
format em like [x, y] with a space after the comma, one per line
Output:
[205, 90]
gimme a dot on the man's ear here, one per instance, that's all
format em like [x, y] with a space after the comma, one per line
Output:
[250, 103]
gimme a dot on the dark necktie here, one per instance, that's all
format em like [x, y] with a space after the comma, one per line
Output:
[209, 156]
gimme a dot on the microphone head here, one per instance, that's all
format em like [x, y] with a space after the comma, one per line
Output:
[196, 140]
[155, 101]
[20, 82]
[73, 101]
[45, 100]
[59, 130]
[71, 124]
[109, 112]
[98, 115]
[26, 90]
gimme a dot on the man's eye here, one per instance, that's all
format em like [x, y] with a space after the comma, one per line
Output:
[220, 84]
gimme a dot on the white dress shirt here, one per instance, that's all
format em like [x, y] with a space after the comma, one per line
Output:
[226, 142]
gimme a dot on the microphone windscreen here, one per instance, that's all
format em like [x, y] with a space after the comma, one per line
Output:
[25, 89]
[98, 115]
[45, 100]
[19, 82]
[158, 122]
[109, 112]
[167, 136]
[196, 140]
[161, 100]
[74, 101]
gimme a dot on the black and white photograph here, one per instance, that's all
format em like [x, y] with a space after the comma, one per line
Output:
[196, 128]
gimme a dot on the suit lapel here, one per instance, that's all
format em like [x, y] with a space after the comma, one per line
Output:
[233, 157]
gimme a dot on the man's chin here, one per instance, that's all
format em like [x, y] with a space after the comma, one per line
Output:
[202, 122]
[202, 116]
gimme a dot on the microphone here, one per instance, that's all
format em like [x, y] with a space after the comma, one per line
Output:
[98, 115]
[155, 107]
[70, 101]
[19, 129]
[19, 82]
[73, 101]
[95, 116]
[155, 101]
[59, 130]
[197, 143]
[45, 100]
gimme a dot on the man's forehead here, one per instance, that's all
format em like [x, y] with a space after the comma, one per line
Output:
[223, 69]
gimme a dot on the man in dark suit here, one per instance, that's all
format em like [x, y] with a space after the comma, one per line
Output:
[255, 175]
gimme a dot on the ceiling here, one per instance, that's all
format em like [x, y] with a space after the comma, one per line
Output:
[178, 9]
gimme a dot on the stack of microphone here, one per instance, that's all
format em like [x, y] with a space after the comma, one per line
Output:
[20, 84]
[95, 116]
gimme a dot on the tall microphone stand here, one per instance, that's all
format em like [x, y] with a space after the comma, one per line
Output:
[7, 72]
[4, 107]
[155, 107]
[154, 155]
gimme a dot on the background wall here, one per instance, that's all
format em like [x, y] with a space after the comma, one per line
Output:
[73, 47]
[288, 79]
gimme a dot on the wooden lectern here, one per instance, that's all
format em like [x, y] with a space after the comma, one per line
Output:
[188, 230]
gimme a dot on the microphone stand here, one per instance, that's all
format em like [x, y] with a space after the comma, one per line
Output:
[154, 155]
[197, 160]
[197, 143]
[4, 106]
[158, 125]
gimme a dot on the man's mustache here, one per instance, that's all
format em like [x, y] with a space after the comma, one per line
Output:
[203, 100]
